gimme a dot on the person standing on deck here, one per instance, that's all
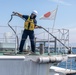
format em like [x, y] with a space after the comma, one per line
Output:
[29, 26]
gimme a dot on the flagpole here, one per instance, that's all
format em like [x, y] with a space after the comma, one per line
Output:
[54, 19]
[52, 31]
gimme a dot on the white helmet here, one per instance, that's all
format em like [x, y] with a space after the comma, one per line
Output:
[34, 12]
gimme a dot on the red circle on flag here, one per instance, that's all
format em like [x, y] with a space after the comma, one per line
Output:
[47, 14]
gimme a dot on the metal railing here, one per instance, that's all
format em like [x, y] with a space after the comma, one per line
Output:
[8, 36]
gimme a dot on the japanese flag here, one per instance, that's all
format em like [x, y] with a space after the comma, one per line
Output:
[49, 15]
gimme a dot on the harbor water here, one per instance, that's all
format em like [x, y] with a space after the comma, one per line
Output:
[73, 60]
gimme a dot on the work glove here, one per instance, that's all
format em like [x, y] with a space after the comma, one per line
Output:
[39, 27]
[14, 13]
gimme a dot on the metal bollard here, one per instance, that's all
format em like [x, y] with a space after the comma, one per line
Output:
[41, 49]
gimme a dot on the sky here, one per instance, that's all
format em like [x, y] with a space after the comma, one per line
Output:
[65, 17]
